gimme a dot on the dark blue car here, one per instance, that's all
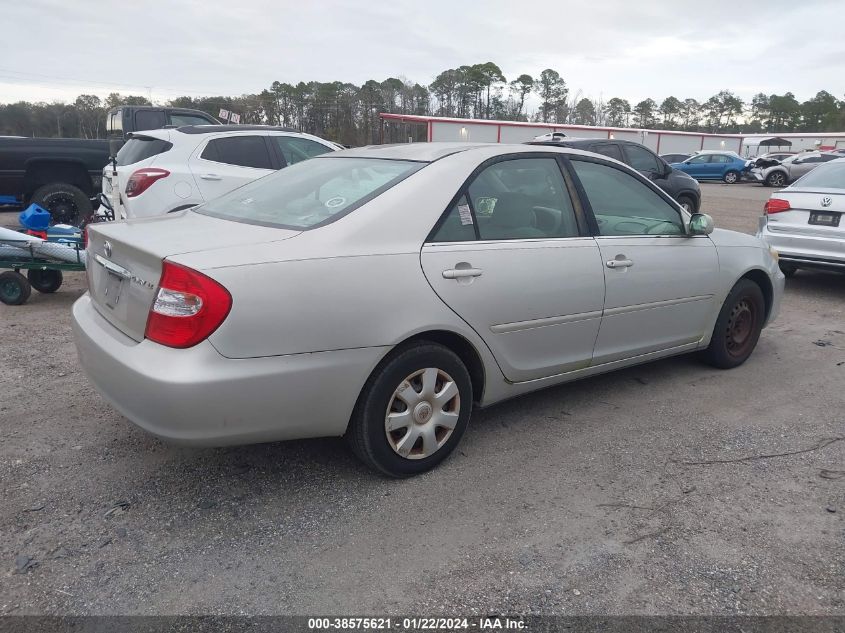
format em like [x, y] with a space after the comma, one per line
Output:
[726, 166]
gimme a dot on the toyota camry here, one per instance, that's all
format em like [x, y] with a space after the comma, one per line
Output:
[382, 293]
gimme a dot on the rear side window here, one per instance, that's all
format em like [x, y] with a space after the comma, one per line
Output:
[295, 149]
[641, 159]
[245, 151]
[608, 149]
[699, 160]
[457, 226]
[140, 148]
[623, 205]
[149, 120]
[311, 193]
[187, 119]
[831, 176]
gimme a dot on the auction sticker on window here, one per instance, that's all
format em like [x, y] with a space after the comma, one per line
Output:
[465, 213]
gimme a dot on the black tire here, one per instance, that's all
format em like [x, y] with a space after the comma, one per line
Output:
[738, 327]
[732, 177]
[788, 269]
[67, 204]
[14, 288]
[687, 203]
[45, 280]
[367, 434]
[776, 179]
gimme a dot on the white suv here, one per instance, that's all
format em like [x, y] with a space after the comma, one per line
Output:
[160, 171]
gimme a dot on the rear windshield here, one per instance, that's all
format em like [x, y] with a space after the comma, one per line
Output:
[830, 176]
[311, 193]
[140, 148]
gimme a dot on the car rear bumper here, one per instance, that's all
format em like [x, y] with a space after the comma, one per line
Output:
[196, 396]
[805, 250]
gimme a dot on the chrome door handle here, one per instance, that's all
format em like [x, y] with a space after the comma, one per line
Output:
[211, 177]
[459, 273]
[619, 263]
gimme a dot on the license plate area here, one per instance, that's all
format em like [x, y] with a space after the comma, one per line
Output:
[114, 286]
[824, 218]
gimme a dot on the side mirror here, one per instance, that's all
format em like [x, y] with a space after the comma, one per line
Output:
[114, 146]
[700, 224]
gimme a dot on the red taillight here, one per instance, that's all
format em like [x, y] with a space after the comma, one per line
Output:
[776, 205]
[142, 179]
[188, 307]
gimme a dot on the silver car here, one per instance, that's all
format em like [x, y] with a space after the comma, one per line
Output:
[381, 293]
[804, 221]
[790, 168]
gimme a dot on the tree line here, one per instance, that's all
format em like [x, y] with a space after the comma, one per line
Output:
[348, 113]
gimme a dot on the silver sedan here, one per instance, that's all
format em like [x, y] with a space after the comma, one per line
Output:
[382, 293]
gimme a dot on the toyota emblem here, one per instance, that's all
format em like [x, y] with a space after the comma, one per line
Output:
[107, 248]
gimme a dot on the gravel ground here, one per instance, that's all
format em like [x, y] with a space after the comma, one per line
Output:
[670, 488]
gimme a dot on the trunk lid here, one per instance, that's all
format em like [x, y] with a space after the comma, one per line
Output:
[125, 259]
[803, 202]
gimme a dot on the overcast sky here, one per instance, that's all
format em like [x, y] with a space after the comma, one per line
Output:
[57, 49]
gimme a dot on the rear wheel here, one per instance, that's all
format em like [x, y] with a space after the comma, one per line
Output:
[14, 288]
[67, 204]
[776, 179]
[738, 327]
[412, 412]
[45, 280]
[731, 177]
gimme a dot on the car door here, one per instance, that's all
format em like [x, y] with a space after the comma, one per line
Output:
[660, 284]
[512, 258]
[697, 166]
[226, 162]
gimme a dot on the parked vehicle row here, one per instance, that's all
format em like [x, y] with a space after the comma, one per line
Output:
[63, 175]
[167, 170]
[381, 293]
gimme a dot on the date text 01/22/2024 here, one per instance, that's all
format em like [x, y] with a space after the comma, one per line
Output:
[417, 624]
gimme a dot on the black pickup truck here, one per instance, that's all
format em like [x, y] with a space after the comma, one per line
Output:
[63, 174]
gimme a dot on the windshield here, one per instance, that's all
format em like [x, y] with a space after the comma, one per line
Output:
[830, 176]
[140, 148]
[311, 193]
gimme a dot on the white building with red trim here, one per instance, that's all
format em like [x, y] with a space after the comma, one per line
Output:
[417, 127]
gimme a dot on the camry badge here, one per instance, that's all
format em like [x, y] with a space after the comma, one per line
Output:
[827, 201]
[107, 249]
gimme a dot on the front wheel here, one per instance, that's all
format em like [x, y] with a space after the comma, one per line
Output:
[412, 412]
[738, 327]
[731, 177]
[776, 179]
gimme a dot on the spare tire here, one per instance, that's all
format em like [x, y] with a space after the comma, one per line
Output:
[67, 204]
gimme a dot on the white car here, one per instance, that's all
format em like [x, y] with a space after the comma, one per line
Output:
[804, 221]
[161, 171]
